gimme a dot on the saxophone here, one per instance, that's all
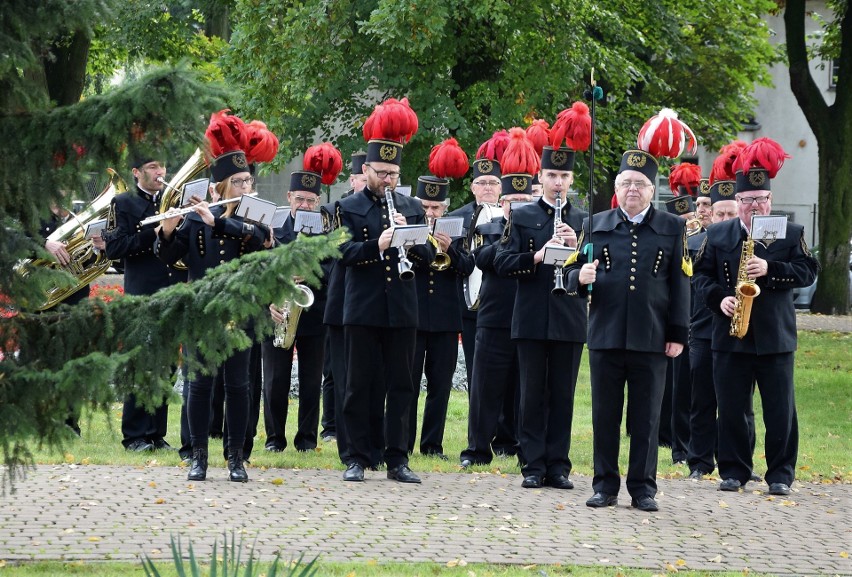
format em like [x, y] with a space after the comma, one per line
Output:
[746, 291]
[285, 331]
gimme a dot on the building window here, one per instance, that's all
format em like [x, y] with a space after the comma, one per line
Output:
[834, 71]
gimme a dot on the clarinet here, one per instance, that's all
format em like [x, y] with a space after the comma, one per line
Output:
[406, 271]
[558, 280]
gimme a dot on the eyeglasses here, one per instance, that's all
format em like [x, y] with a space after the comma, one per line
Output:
[747, 200]
[242, 181]
[627, 184]
[305, 200]
[383, 174]
[488, 183]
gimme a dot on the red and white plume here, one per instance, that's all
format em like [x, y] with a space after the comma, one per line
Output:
[392, 120]
[325, 160]
[686, 175]
[519, 156]
[723, 166]
[493, 148]
[225, 133]
[538, 133]
[261, 143]
[448, 160]
[574, 127]
[665, 135]
[763, 153]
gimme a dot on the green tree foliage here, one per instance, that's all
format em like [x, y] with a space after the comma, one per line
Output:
[316, 68]
[832, 126]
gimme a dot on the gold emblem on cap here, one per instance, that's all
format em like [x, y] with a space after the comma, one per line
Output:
[704, 187]
[485, 166]
[726, 189]
[757, 177]
[309, 180]
[432, 190]
[240, 160]
[558, 158]
[636, 160]
[519, 183]
[387, 152]
[682, 206]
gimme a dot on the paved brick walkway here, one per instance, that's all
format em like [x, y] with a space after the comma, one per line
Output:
[100, 512]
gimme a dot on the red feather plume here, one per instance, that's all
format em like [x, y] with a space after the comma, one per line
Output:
[574, 126]
[392, 120]
[325, 160]
[763, 153]
[538, 134]
[262, 144]
[686, 175]
[723, 166]
[448, 160]
[225, 133]
[665, 135]
[519, 156]
[493, 148]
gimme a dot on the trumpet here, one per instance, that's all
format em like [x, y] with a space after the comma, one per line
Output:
[188, 209]
[558, 279]
[442, 259]
[405, 267]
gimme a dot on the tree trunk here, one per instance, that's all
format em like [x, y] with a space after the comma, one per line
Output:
[66, 72]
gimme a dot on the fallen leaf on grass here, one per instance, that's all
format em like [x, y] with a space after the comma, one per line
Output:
[680, 562]
[671, 568]
[69, 458]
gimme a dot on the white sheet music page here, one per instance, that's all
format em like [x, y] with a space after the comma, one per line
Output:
[556, 255]
[96, 228]
[452, 226]
[409, 235]
[769, 227]
[280, 216]
[308, 222]
[256, 210]
[197, 188]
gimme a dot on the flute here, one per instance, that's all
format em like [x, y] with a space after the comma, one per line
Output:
[188, 209]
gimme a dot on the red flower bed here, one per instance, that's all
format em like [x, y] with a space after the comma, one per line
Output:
[106, 292]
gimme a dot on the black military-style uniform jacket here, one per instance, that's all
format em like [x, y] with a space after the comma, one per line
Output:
[439, 303]
[496, 293]
[701, 319]
[126, 239]
[772, 326]
[640, 299]
[375, 295]
[336, 276]
[466, 212]
[311, 319]
[203, 247]
[538, 314]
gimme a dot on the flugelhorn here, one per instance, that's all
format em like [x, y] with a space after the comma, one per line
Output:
[558, 279]
[693, 226]
[188, 209]
[442, 259]
[406, 271]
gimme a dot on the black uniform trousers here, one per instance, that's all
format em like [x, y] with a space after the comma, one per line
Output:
[548, 379]
[495, 380]
[138, 423]
[379, 361]
[217, 414]
[255, 388]
[327, 423]
[337, 357]
[468, 338]
[734, 375]
[645, 375]
[277, 371]
[436, 355]
[681, 395]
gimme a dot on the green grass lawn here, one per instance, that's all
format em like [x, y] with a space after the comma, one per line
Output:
[823, 377]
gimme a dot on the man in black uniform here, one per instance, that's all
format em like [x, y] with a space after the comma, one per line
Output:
[638, 317]
[310, 339]
[766, 352]
[144, 274]
[496, 375]
[439, 309]
[379, 315]
[549, 328]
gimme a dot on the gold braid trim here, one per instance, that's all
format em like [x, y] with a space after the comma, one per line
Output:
[686, 263]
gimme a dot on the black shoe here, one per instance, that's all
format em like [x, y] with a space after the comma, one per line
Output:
[354, 472]
[697, 474]
[531, 482]
[602, 500]
[678, 462]
[558, 482]
[403, 474]
[731, 485]
[755, 477]
[162, 445]
[504, 453]
[644, 503]
[328, 438]
[437, 454]
[779, 489]
[273, 448]
[236, 467]
[466, 463]
[198, 468]
[140, 446]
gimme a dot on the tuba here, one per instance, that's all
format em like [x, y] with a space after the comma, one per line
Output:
[746, 291]
[173, 189]
[86, 264]
[484, 213]
[285, 331]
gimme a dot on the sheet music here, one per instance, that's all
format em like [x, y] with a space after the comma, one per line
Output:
[280, 216]
[96, 228]
[409, 235]
[516, 204]
[769, 227]
[557, 255]
[452, 226]
[197, 188]
[256, 210]
[403, 190]
[308, 222]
